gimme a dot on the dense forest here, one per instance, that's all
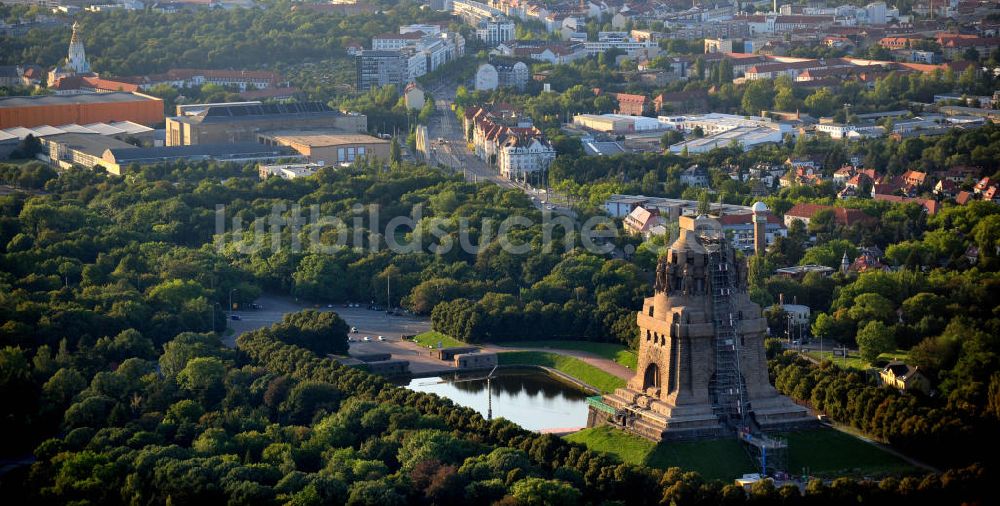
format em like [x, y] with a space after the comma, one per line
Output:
[276, 36]
[110, 292]
[95, 267]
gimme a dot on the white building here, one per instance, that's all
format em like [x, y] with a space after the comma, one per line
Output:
[521, 156]
[624, 42]
[842, 131]
[416, 64]
[422, 42]
[427, 29]
[395, 42]
[713, 123]
[742, 137]
[495, 30]
[512, 75]
[487, 77]
[414, 97]
[288, 171]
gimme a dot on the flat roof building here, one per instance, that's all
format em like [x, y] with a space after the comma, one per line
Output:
[80, 109]
[115, 159]
[84, 149]
[742, 137]
[288, 170]
[242, 121]
[323, 146]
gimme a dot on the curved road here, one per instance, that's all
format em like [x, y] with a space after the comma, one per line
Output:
[374, 323]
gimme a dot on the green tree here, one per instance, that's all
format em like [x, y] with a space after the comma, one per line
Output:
[873, 340]
[758, 96]
[542, 492]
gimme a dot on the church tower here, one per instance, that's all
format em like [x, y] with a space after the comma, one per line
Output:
[702, 370]
[77, 59]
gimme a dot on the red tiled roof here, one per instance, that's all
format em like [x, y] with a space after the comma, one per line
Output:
[842, 215]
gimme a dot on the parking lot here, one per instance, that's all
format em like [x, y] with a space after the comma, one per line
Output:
[369, 323]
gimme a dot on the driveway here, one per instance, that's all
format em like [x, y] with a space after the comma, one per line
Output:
[391, 328]
[370, 323]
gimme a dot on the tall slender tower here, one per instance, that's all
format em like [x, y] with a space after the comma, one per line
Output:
[759, 228]
[77, 59]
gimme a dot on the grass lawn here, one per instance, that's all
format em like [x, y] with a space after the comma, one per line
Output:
[722, 459]
[854, 360]
[826, 452]
[574, 367]
[433, 337]
[831, 453]
[617, 352]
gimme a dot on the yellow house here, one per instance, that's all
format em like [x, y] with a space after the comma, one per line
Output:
[904, 377]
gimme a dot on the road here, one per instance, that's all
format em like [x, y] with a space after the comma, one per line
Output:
[454, 153]
[376, 323]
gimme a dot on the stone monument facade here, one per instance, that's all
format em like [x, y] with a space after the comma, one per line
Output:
[701, 368]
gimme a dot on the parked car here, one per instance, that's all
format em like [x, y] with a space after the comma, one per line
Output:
[366, 339]
[235, 317]
[380, 338]
[354, 330]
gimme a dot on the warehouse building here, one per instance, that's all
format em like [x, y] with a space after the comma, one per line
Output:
[329, 147]
[112, 107]
[243, 121]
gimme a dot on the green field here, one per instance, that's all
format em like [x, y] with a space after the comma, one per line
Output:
[831, 453]
[574, 367]
[722, 459]
[825, 452]
[617, 352]
[432, 338]
[854, 360]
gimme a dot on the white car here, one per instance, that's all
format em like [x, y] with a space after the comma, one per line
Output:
[366, 339]
[354, 330]
[380, 338]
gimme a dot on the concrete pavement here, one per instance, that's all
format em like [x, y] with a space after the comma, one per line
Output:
[376, 323]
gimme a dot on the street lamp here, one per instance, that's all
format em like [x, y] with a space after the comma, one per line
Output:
[231, 303]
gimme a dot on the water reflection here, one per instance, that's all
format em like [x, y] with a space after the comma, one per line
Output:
[533, 400]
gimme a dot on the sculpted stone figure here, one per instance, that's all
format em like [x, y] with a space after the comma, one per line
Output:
[687, 281]
[660, 283]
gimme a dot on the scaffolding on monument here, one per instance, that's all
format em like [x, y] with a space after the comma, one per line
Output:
[769, 453]
[730, 400]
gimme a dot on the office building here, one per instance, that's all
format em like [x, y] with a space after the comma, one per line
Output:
[376, 69]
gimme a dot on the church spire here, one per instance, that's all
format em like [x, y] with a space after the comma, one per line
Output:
[77, 58]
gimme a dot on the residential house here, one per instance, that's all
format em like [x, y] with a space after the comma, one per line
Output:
[915, 178]
[946, 188]
[632, 105]
[905, 377]
[644, 222]
[842, 216]
[681, 102]
[741, 230]
[696, 175]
